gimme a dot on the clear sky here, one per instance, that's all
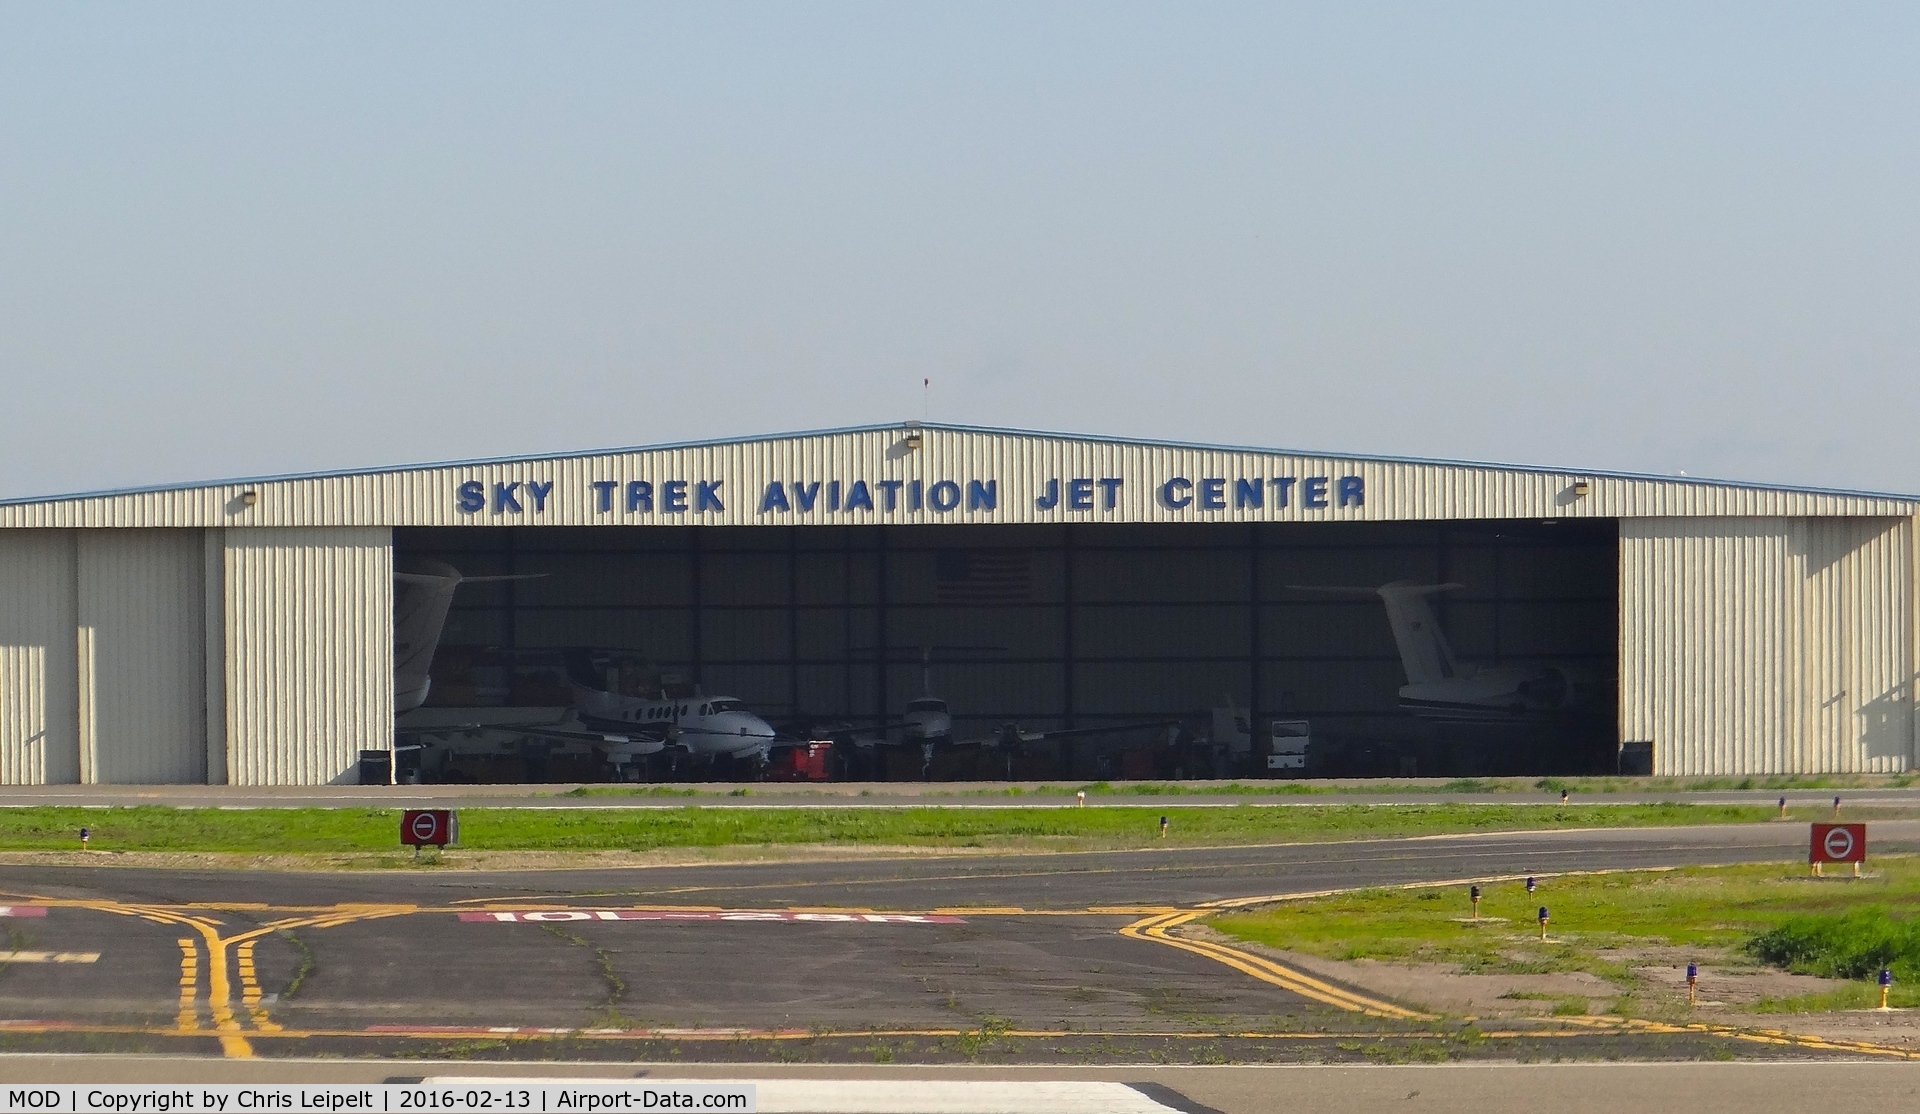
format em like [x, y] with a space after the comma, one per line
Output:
[258, 238]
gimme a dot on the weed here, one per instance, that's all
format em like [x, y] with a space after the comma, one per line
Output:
[1855, 944]
[306, 964]
[609, 1016]
[1382, 1052]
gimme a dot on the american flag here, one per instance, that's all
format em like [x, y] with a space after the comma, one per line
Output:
[983, 576]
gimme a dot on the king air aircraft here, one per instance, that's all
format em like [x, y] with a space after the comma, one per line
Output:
[622, 727]
[1441, 687]
[632, 725]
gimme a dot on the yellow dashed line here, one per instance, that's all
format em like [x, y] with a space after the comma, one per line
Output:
[250, 988]
[189, 984]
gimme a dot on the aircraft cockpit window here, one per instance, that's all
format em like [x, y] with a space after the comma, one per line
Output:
[719, 706]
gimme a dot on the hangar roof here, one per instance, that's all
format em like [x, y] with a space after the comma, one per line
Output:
[930, 473]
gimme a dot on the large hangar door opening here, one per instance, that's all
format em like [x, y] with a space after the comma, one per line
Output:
[1131, 651]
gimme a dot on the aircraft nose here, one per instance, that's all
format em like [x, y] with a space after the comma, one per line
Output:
[754, 727]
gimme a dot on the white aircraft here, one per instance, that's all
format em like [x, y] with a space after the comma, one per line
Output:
[422, 595]
[926, 717]
[1440, 686]
[630, 727]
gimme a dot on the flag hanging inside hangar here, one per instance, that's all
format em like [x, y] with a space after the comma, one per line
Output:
[983, 576]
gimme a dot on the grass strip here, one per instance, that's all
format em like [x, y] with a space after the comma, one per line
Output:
[1732, 914]
[322, 830]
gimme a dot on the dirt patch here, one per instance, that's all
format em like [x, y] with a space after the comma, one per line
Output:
[1896, 1029]
[1439, 987]
[1729, 989]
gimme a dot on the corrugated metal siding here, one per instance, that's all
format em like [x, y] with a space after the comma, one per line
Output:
[1760, 646]
[142, 691]
[213, 630]
[1858, 600]
[1019, 463]
[39, 739]
[309, 652]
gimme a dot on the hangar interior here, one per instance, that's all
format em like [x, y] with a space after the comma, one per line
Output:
[1144, 628]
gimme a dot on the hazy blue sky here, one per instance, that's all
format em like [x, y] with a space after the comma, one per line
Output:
[252, 238]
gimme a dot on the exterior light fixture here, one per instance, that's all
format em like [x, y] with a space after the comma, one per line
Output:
[1581, 488]
[249, 498]
[912, 439]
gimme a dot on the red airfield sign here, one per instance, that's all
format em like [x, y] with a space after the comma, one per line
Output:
[429, 827]
[1838, 843]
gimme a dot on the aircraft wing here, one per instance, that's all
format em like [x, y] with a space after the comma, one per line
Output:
[1010, 733]
[544, 729]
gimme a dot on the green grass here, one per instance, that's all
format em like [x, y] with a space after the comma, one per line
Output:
[1855, 944]
[317, 830]
[1839, 927]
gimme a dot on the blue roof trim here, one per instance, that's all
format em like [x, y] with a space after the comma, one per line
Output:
[1147, 442]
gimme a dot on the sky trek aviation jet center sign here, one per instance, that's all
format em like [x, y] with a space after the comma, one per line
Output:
[778, 499]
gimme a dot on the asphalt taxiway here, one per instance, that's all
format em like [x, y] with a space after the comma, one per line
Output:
[1059, 957]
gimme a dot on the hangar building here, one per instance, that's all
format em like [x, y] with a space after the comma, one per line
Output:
[243, 632]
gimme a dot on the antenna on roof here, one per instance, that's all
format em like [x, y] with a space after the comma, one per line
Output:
[926, 389]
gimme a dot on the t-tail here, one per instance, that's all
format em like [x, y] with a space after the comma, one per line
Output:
[1424, 651]
[422, 596]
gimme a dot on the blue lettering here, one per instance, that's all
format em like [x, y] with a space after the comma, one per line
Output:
[603, 495]
[913, 495]
[1313, 493]
[805, 494]
[858, 497]
[504, 498]
[472, 497]
[833, 495]
[1249, 493]
[1169, 499]
[1282, 485]
[983, 496]
[889, 493]
[1353, 491]
[775, 499]
[639, 496]
[1080, 495]
[1110, 492]
[673, 496]
[706, 496]
[539, 491]
[1213, 494]
[943, 496]
[1049, 496]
